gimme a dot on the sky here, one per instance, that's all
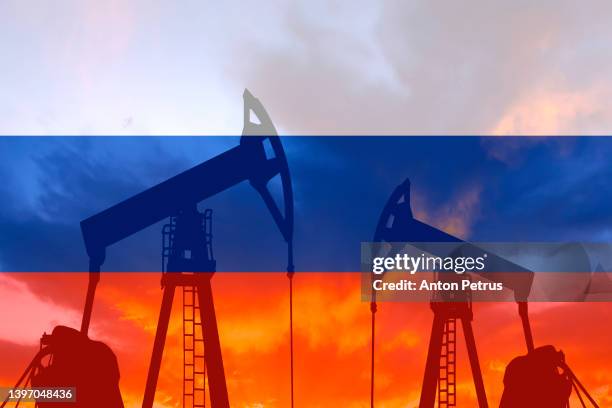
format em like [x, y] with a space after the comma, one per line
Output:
[319, 67]
[478, 188]
[325, 67]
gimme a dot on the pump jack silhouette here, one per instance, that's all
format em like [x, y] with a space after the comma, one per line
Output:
[179, 197]
[258, 158]
[397, 225]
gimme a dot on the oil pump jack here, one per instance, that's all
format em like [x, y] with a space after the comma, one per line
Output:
[397, 225]
[258, 158]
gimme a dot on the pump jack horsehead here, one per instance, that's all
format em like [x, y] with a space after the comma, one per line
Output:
[540, 379]
[91, 366]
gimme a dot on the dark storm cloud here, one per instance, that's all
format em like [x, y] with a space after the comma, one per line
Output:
[558, 190]
[69, 179]
[555, 190]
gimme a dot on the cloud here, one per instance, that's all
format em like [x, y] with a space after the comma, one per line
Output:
[456, 216]
[31, 315]
[551, 113]
[319, 67]
[324, 327]
[431, 67]
[64, 180]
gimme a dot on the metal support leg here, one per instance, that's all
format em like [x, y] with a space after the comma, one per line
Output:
[94, 278]
[212, 346]
[432, 367]
[158, 346]
[474, 364]
[524, 314]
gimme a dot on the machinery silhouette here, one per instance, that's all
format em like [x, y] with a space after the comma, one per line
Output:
[531, 381]
[188, 262]
[68, 357]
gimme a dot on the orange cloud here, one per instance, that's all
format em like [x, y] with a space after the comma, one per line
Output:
[548, 113]
[35, 315]
[332, 339]
[456, 216]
